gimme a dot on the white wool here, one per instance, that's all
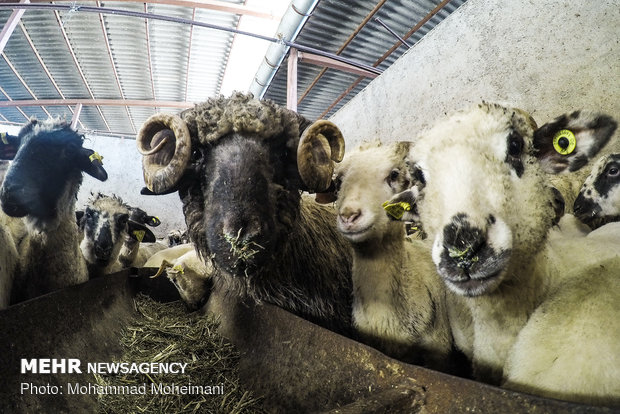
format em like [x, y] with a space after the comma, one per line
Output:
[399, 303]
[464, 162]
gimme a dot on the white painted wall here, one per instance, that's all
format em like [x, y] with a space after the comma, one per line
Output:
[123, 164]
[546, 57]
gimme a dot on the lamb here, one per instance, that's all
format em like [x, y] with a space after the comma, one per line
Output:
[106, 227]
[399, 304]
[598, 202]
[177, 237]
[40, 187]
[240, 165]
[139, 242]
[484, 200]
[190, 275]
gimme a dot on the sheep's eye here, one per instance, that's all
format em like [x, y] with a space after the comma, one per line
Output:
[121, 221]
[337, 183]
[613, 171]
[196, 155]
[394, 175]
[515, 145]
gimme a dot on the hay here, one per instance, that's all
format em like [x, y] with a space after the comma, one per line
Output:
[166, 333]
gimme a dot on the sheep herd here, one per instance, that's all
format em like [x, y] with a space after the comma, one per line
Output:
[499, 285]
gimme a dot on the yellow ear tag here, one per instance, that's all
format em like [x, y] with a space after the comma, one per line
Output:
[95, 156]
[139, 235]
[3, 137]
[564, 142]
[178, 268]
[396, 210]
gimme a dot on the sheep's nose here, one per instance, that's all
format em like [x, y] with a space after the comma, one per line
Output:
[348, 216]
[102, 251]
[245, 230]
[11, 201]
[463, 241]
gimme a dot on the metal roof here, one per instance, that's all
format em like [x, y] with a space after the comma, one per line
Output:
[114, 65]
[331, 25]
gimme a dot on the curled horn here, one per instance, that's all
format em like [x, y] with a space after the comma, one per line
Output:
[165, 145]
[320, 145]
[164, 265]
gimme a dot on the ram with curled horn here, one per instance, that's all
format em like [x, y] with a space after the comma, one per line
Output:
[240, 166]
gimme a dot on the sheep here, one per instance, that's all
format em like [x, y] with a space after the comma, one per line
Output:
[177, 237]
[40, 187]
[107, 225]
[399, 305]
[598, 202]
[190, 275]
[484, 199]
[240, 166]
[139, 242]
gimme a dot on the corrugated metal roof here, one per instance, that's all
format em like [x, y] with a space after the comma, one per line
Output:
[331, 23]
[70, 54]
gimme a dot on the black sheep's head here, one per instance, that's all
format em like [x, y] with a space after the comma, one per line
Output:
[239, 165]
[48, 165]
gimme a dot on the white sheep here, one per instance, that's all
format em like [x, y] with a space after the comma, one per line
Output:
[484, 199]
[40, 187]
[399, 304]
[598, 201]
[191, 276]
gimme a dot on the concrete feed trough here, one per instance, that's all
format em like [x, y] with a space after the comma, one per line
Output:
[295, 365]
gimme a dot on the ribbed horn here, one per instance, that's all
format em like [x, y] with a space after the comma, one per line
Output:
[165, 145]
[320, 146]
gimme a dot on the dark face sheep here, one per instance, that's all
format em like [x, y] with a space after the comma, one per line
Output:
[107, 222]
[104, 223]
[47, 168]
[598, 202]
[235, 166]
[41, 186]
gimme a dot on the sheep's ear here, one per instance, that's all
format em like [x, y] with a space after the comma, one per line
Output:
[559, 205]
[570, 141]
[78, 217]
[91, 163]
[140, 232]
[403, 206]
[328, 196]
[8, 146]
[152, 221]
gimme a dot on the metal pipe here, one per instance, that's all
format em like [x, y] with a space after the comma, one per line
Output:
[142, 15]
[392, 32]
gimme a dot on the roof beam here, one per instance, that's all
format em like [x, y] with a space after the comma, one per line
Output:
[334, 64]
[97, 102]
[23, 82]
[11, 100]
[142, 15]
[10, 26]
[216, 5]
[76, 116]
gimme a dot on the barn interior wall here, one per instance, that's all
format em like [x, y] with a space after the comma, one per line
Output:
[124, 166]
[546, 57]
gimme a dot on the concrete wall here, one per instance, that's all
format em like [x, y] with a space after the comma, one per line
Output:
[546, 57]
[124, 166]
